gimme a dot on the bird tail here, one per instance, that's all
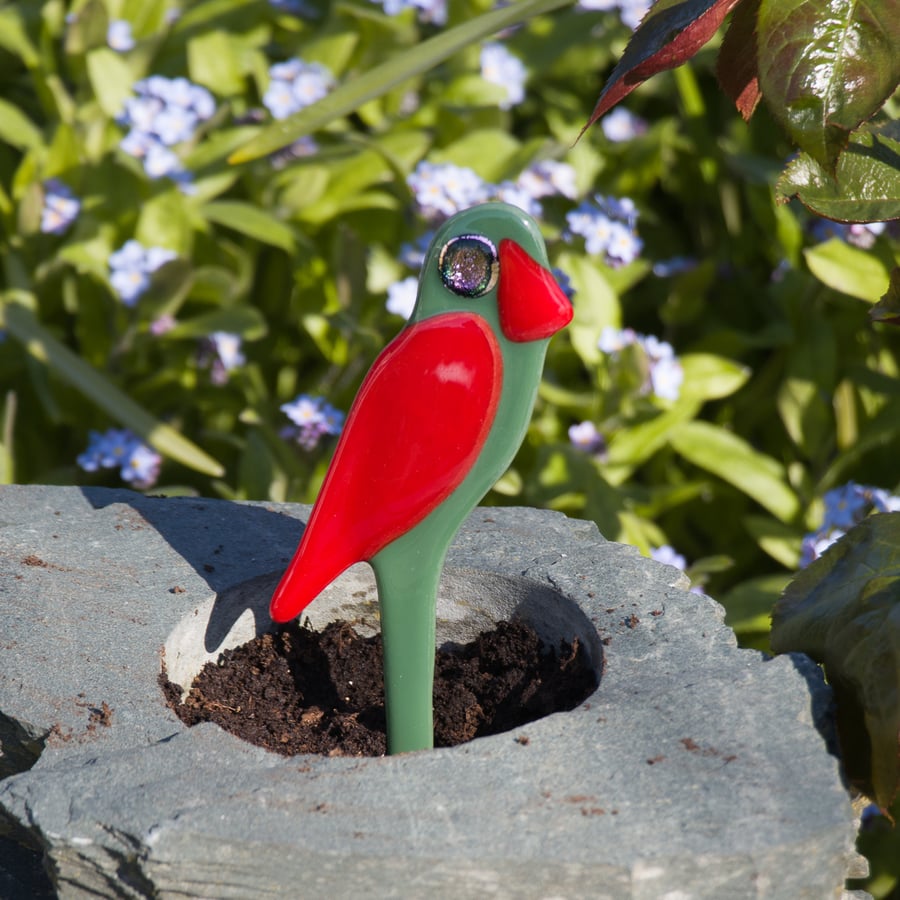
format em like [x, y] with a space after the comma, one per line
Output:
[301, 583]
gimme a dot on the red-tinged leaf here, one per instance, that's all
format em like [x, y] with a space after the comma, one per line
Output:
[827, 67]
[736, 67]
[671, 33]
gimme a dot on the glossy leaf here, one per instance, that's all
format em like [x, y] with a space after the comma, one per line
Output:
[827, 67]
[45, 348]
[844, 612]
[366, 86]
[671, 33]
[865, 187]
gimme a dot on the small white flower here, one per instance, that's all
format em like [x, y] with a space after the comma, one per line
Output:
[402, 297]
[503, 68]
[666, 377]
[119, 36]
[666, 554]
[585, 437]
[621, 125]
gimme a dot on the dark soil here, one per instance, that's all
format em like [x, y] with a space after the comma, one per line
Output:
[300, 691]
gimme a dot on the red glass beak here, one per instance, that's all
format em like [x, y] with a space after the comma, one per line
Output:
[532, 305]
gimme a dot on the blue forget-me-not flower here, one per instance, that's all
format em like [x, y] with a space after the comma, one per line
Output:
[312, 418]
[120, 449]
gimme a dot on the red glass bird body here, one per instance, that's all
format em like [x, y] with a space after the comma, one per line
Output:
[436, 421]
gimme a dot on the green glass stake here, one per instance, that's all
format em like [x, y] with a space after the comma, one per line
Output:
[436, 422]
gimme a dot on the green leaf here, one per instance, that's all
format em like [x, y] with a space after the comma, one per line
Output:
[780, 541]
[805, 395]
[46, 349]
[246, 321]
[166, 221]
[848, 269]
[14, 36]
[214, 63]
[864, 188]
[723, 453]
[379, 80]
[844, 611]
[634, 445]
[111, 80]
[887, 309]
[710, 377]
[251, 221]
[16, 129]
[486, 150]
[748, 606]
[825, 68]
[596, 305]
[7, 425]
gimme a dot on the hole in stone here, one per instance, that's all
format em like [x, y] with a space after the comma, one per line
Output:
[510, 651]
[20, 746]
[22, 872]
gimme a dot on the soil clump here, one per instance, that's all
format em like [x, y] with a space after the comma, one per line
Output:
[296, 690]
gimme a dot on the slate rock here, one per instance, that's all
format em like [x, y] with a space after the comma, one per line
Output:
[697, 769]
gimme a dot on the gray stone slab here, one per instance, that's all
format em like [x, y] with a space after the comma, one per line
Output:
[696, 770]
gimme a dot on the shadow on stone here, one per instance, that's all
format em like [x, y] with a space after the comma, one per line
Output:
[195, 538]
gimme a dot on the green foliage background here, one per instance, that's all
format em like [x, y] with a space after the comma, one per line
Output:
[790, 389]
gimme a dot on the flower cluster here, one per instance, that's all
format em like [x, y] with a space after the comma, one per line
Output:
[313, 419]
[630, 11]
[131, 266]
[500, 67]
[294, 85]
[165, 112]
[221, 352]
[61, 207]
[845, 507]
[428, 11]
[608, 226]
[442, 189]
[664, 371]
[120, 449]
